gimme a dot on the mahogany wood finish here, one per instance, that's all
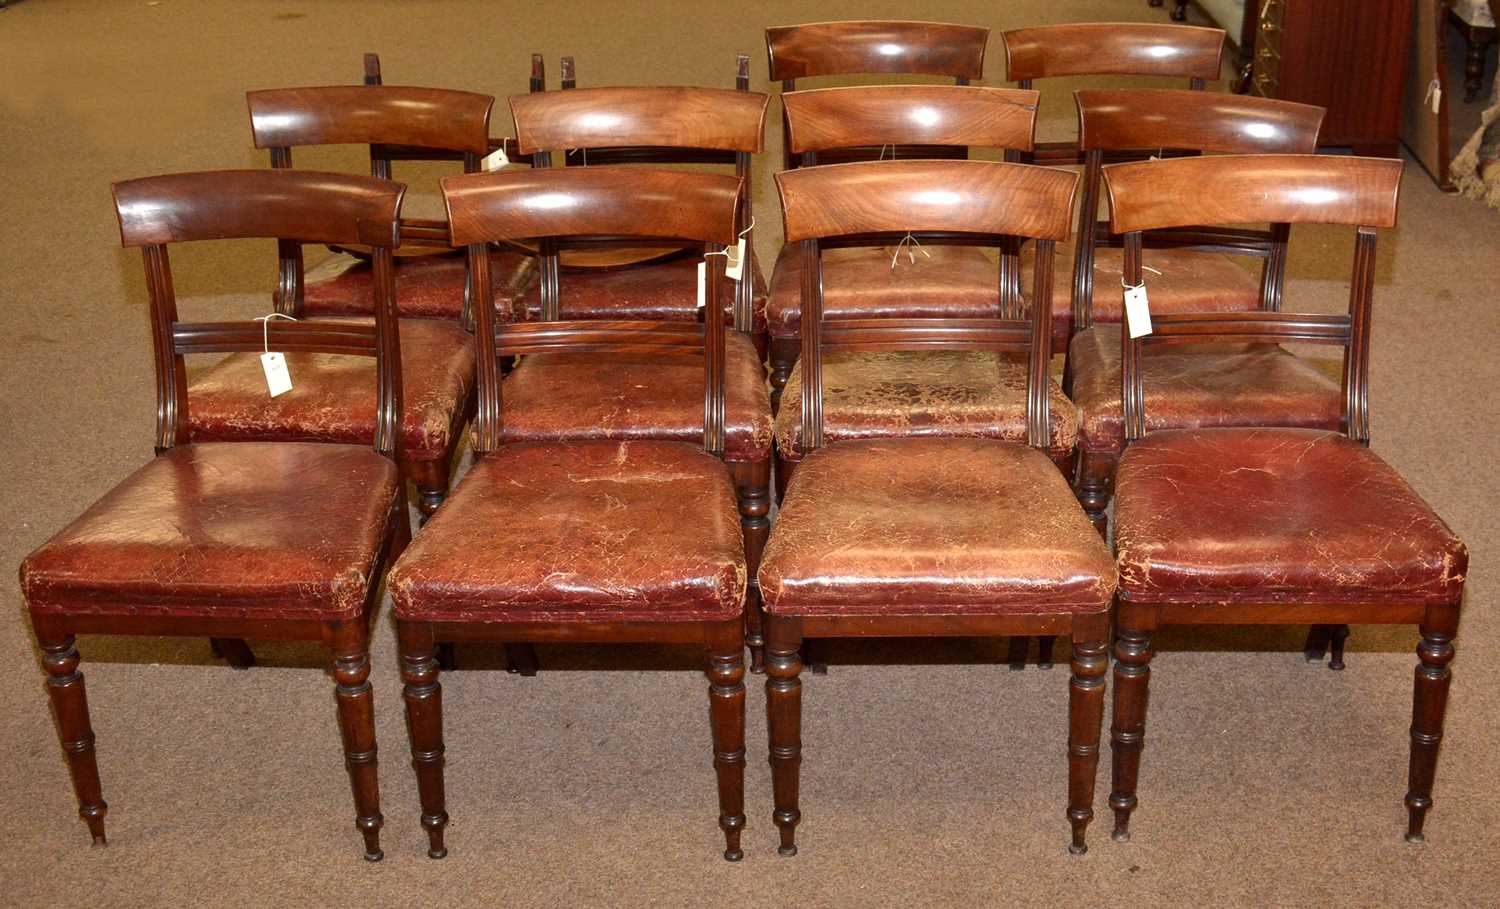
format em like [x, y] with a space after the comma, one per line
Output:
[288, 576]
[1109, 49]
[446, 589]
[1188, 121]
[820, 120]
[807, 597]
[1348, 56]
[1319, 478]
[660, 125]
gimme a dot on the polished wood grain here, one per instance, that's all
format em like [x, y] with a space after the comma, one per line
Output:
[370, 114]
[978, 197]
[582, 201]
[1236, 189]
[308, 206]
[833, 118]
[876, 46]
[1113, 48]
[684, 117]
[1199, 121]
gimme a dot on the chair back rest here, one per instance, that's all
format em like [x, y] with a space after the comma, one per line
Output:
[1288, 189]
[558, 207]
[827, 119]
[876, 46]
[292, 207]
[934, 201]
[1112, 49]
[434, 118]
[1111, 122]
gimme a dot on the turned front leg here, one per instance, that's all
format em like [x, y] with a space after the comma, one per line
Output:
[424, 726]
[1127, 731]
[1085, 718]
[754, 494]
[1429, 704]
[784, 716]
[70, 703]
[351, 670]
[726, 711]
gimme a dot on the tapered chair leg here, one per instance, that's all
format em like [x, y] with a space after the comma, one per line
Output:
[1318, 639]
[424, 726]
[1085, 718]
[726, 712]
[784, 717]
[1044, 645]
[754, 494]
[1429, 704]
[351, 670]
[1016, 652]
[234, 651]
[520, 659]
[1336, 647]
[70, 702]
[1127, 732]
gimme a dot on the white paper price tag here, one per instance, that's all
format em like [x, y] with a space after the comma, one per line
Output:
[495, 159]
[702, 283]
[1435, 94]
[736, 266]
[1137, 311]
[278, 380]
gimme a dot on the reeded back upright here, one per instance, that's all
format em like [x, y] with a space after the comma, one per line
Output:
[1113, 49]
[876, 46]
[1236, 189]
[679, 117]
[371, 115]
[952, 115]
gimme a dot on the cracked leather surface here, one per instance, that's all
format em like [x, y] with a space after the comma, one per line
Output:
[1189, 282]
[1197, 385]
[570, 397]
[933, 527]
[859, 283]
[888, 394]
[230, 530]
[1243, 515]
[662, 291]
[333, 395]
[618, 531]
[427, 287]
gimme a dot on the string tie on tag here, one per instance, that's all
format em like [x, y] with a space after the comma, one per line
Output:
[750, 228]
[912, 246]
[265, 328]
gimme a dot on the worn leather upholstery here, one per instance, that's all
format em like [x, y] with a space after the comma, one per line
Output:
[1192, 385]
[660, 291]
[333, 396]
[427, 287]
[1189, 282]
[618, 531]
[859, 283]
[229, 530]
[1241, 515]
[570, 397]
[932, 526]
[885, 394]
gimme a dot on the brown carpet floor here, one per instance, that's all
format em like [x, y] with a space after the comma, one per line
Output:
[932, 774]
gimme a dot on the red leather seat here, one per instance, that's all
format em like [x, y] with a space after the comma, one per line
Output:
[572, 397]
[933, 526]
[1197, 385]
[1190, 281]
[601, 531]
[1276, 516]
[890, 394]
[208, 530]
[427, 287]
[859, 283]
[333, 396]
[658, 291]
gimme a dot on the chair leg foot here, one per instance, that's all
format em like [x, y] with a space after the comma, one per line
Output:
[234, 651]
[726, 711]
[424, 725]
[356, 708]
[521, 659]
[1336, 647]
[784, 718]
[1319, 637]
[1429, 705]
[70, 702]
[1044, 651]
[1016, 654]
[1085, 719]
[1127, 734]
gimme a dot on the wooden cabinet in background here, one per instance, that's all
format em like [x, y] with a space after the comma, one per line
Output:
[1349, 56]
